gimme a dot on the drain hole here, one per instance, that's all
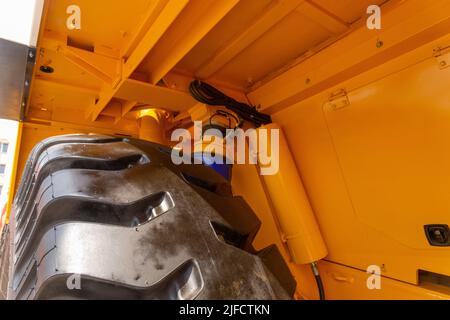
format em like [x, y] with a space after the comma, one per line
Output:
[165, 150]
[228, 235]
[209, 186]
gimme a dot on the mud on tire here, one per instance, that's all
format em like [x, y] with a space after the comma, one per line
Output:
[98, 217]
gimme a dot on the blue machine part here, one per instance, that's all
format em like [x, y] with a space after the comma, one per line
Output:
[223, 169]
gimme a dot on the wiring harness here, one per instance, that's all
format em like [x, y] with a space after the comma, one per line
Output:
[207, 94]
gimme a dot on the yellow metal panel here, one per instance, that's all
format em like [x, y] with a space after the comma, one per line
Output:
[273, 15]
[376, 169]
[340, 282]
[65, 71]
[50, 95]
[105, 23]
[323, 17]
[392, 145]
[273, 50]
[348, 11]
[62, 85]
[406, 26]
[344, 283]
[241, 17]
[253, 41]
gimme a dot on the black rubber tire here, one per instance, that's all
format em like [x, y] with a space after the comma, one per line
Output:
[153, 230]
[4, 262]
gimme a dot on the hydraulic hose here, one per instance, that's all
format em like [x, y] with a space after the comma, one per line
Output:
[316, 273]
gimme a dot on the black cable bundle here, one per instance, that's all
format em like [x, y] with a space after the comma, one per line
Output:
[207, 94]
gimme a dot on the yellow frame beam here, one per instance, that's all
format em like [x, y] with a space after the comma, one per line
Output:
[174, 20]
[102, 67]
[159, 26]
[128, 106]
[155, 96]
[199, 18]
[141, 30]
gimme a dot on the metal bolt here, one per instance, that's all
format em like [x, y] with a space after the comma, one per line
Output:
[31, 55]
[379, 43]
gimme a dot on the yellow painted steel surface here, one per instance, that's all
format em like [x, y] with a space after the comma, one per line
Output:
[364, 112]
[15, 172]
[151, 124]
[376, 170]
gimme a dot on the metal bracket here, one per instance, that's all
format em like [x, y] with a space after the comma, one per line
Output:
[17, 63]
[442, 56]
[105, 68]
[31, 61]
[337, 100]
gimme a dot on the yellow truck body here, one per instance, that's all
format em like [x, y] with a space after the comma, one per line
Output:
[365, 114]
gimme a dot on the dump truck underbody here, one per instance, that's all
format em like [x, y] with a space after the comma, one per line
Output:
[360, 192]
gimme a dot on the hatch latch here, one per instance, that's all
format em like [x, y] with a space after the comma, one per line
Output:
[337, 100]
[442, 55]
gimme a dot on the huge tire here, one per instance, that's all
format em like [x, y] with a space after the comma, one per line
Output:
[97, 217]
[4, 262]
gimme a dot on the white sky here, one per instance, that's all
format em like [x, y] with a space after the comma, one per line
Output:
[19, 20]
